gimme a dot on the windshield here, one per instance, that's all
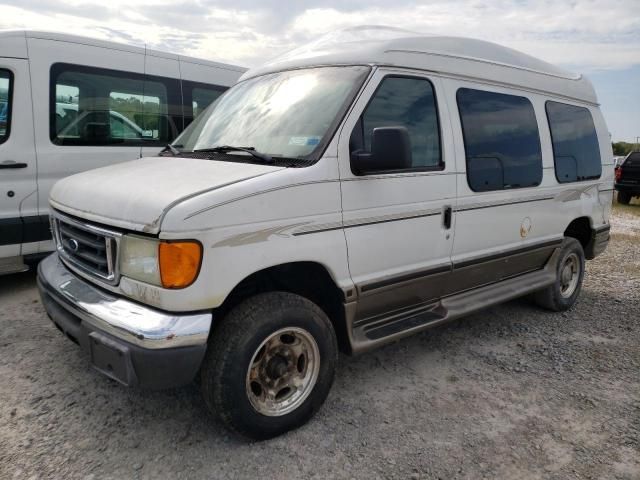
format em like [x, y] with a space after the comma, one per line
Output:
[287, 114]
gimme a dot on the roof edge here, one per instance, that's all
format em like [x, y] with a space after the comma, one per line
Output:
[141, 48]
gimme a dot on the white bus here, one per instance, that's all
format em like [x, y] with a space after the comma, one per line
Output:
[69, 104]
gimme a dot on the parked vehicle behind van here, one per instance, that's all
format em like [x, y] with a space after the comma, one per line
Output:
[69, 104]
[349, 193]
[627, 175]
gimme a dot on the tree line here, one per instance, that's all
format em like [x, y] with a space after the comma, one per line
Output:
[623, 148]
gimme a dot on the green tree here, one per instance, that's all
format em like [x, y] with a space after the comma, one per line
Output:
[622, 148]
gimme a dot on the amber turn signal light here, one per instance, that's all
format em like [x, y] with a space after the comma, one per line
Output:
[179, 263]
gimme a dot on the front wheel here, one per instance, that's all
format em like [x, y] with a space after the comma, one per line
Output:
[270, 364]
[563, 293]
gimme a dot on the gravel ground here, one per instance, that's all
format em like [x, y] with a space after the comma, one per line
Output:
[511, 392]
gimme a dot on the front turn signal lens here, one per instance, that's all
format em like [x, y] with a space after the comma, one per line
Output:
[179, 263]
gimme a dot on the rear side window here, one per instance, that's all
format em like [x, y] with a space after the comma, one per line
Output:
[6, 88]
[202, 98]
[198, 96]
[501, 140]
[92, 106]
[576, 151]
[406, 102]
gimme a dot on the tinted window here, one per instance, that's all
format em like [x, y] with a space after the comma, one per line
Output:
[202, 98]
[197, 97]
[403, 102]
[107, 107]
[6, 85]
[576, 151]
[501, 140]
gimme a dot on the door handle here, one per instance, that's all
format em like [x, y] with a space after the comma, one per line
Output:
[12, 164]
[447, 212]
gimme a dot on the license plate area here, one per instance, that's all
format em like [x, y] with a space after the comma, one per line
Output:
[111, 359]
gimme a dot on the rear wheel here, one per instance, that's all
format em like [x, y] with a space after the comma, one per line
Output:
[270, 364]
[563, 293]
[624, 198]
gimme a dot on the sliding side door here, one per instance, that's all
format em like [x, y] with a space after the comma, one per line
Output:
[505, 190]
[19, 223]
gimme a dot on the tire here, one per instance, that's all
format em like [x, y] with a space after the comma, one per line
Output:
[291, 324]
[562, 294]
[624, 198]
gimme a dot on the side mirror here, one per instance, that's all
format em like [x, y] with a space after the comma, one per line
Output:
[390, 150]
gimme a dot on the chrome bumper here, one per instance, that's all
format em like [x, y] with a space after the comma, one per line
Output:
[124, 319]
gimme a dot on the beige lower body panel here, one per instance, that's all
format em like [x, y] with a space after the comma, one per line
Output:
[466, 290]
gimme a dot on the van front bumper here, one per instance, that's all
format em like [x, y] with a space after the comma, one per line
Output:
[127, 341]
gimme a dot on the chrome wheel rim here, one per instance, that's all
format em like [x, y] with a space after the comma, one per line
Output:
[283, 371]
[569, 275]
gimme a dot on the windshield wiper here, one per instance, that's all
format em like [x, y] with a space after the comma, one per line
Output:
[228, 148]
[174, 151]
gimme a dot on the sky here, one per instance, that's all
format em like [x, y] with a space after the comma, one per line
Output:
[599, 38]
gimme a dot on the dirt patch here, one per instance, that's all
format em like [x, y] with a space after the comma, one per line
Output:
[626, 218]
[512, 392]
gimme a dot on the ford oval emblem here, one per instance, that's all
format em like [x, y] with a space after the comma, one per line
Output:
[73, 245]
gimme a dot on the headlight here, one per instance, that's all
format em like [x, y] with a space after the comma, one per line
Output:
[167, 264]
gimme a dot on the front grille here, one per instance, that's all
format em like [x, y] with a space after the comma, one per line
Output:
[86, 246]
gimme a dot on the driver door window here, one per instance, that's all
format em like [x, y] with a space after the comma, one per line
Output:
[403, 102]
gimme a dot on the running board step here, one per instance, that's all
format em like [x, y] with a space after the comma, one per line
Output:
[12, 265]
[395, 325]
[367, 334]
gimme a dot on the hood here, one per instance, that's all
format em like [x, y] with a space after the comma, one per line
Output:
[136, 195]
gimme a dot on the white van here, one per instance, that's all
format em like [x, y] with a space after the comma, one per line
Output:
[69, 104]
[348, 193]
